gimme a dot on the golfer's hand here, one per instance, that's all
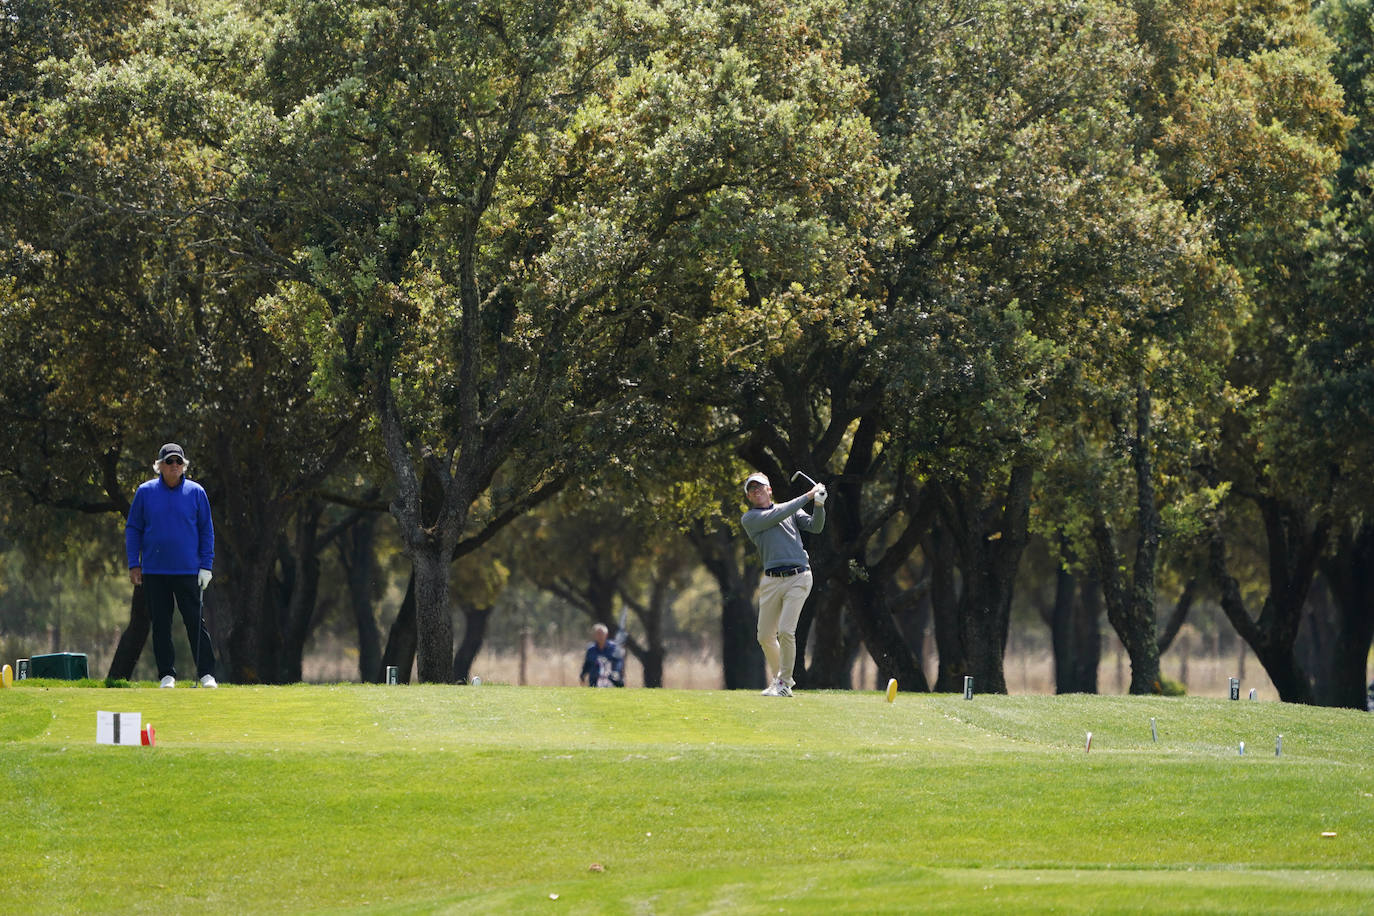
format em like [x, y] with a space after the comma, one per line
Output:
[819, 495]
[136, 575]
[204, 578]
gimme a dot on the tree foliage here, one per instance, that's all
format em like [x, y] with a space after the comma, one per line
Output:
[1093, 271]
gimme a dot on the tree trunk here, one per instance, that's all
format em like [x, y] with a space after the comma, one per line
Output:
[474, 632]
[821, 628]
[983, 627]
[884, 641]
[1178, 617]
[358, 558]
[1350, 573]
[1131, 600]
[1130, 609]
[245, 556]
[433, 616]
[252, 644]
[988, 558]
[944, 609]
[132, 640]
[401, 640]
[1077, 640]
[249, 520]
[1090, 594]
[911, 611]
[430, 511]
[301, 597]
[1293, 549]
[869, 591]
[651, 615]
[741, 656]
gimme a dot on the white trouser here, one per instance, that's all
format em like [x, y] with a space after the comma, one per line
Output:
[780, 606]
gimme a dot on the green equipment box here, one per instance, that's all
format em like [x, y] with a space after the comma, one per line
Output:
[66, 666]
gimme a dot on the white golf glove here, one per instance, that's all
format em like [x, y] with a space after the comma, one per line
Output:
[204, 578]
[820, 496]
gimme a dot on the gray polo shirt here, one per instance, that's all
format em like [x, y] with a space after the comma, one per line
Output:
[774, 531]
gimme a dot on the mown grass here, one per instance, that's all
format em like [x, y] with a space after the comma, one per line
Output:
[503, 799]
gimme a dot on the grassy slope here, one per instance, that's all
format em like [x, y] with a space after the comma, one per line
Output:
[492, 799]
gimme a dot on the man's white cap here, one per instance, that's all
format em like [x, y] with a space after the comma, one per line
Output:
[755, 478]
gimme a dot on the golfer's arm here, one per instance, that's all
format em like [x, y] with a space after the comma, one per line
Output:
[205, 535]
[764, 519]
[813, 523]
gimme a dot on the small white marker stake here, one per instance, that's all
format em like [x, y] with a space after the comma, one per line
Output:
[1278, 747]
[1252, 693]
[118, 728]
[1088, 745]
[1154, 733]
[1242, 749]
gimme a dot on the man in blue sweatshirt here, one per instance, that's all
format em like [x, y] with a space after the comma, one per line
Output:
[775, 529]
[604, 664]
[171, 546]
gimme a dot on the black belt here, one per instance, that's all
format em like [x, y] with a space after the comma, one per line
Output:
[784, 571]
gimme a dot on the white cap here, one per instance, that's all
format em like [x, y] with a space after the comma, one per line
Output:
[755, 478]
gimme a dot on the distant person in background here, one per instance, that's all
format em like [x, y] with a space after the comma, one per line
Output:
[604, 666]
[170, 542]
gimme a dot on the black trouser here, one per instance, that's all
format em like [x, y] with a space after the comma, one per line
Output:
[160, 591]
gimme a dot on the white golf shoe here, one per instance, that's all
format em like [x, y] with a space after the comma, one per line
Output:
[778, 688]
[208, 681]
[168, 681]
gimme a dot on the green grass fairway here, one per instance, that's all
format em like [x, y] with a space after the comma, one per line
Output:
[498, 799]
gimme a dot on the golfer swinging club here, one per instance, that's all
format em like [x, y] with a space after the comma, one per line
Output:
[171, 546]
[786, 572]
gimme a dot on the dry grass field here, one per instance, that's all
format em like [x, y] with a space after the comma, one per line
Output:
[1029, 667]
[1027, 672]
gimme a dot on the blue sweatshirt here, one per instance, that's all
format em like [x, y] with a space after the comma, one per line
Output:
[169, 532]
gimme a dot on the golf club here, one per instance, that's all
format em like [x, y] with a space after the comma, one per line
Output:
[622, 633]
[200, 630]
[807, 479]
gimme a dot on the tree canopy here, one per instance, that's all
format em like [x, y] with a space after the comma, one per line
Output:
[1091, 272]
